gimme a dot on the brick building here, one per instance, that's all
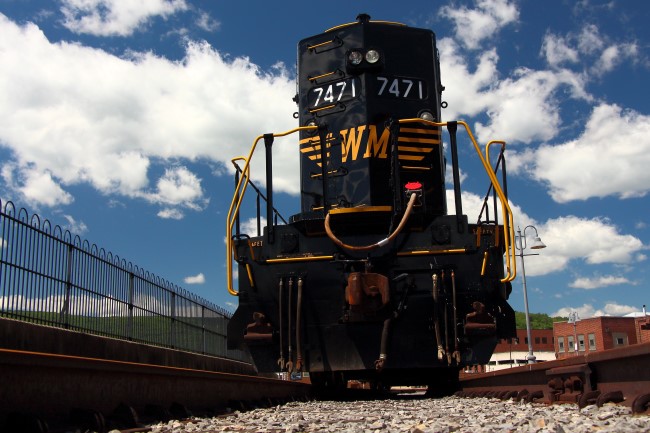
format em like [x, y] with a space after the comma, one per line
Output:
[590, 335]
[514, 352]
[643, 329]
[599, 333]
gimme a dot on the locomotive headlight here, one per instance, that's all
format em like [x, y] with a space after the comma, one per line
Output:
[355, 57]
[372, 56]
[427, 115]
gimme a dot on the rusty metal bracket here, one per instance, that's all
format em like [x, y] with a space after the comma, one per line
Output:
[570, 383]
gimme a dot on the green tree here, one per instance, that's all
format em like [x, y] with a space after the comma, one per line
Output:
[537, 320]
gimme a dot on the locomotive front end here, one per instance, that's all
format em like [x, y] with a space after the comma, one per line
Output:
[373, 279]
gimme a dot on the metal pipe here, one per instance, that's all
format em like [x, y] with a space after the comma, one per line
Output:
[378, 244]
[268, 144]
[436, 319]
[455, 316]
[290, 361]
[281, 361]
[299, 327]
[446, 319]
[383, 350]
[452, 127]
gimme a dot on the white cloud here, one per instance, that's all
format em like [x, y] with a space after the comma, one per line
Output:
[588, 283]
[37, 187]
[171, 213]
[526, 91]
[115, 17]
[207, 23]
[195, 279]
[485, 20]
[77, 115]
[523, 107]
[178, 186]
[592, 241]
[556, 50]
[467, 92]
[612, 56]
[587, 310]
[75, 227]
[587, 48]
[249, 226]
[615, 143]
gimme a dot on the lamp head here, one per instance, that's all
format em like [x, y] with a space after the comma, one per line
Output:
[537, 244]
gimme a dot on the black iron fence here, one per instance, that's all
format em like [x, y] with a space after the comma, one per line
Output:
[50, 277]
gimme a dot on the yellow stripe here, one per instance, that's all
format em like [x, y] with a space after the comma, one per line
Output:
[372, 21]
[414, 149]
[348, 210]
[315, 110]
[411, 157]
[300, 259]
[419, 140]
[431, 252]
[311, 47]
[413, 167]
[421, 131]
[321, 76]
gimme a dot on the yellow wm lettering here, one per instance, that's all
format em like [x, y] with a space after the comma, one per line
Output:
[377, 148]
[352, 142]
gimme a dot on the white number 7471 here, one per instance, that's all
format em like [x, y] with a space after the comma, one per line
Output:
[328, 93]
[399, 87]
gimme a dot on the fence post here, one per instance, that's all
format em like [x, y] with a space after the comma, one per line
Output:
[173, 321]
[129, 323]
[64, 315]
[203, 346]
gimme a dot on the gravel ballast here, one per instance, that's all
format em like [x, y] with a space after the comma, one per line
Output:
[450, 414]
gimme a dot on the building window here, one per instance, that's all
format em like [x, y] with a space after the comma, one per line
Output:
[569, 343]
[526, 340]
[592, 342]
[536, 340]
[581, 343]
[620, 338]
[544, 340]
[560, 344]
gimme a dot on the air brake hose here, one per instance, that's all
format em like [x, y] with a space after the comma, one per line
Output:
[381, 243]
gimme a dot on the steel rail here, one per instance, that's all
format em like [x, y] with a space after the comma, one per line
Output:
[51, 386]
[618, 375]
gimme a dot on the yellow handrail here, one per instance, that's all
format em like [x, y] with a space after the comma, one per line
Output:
[508, 231]
[510, 250]
[240, 191]
[242, 184]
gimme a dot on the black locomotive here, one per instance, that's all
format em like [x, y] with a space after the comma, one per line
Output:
[373, 280]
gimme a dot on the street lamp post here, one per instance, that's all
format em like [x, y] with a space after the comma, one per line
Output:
[520, 244]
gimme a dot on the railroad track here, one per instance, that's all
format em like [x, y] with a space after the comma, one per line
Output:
[619, 375]
[43, 392]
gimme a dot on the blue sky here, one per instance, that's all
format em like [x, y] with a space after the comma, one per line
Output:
[118, 120]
